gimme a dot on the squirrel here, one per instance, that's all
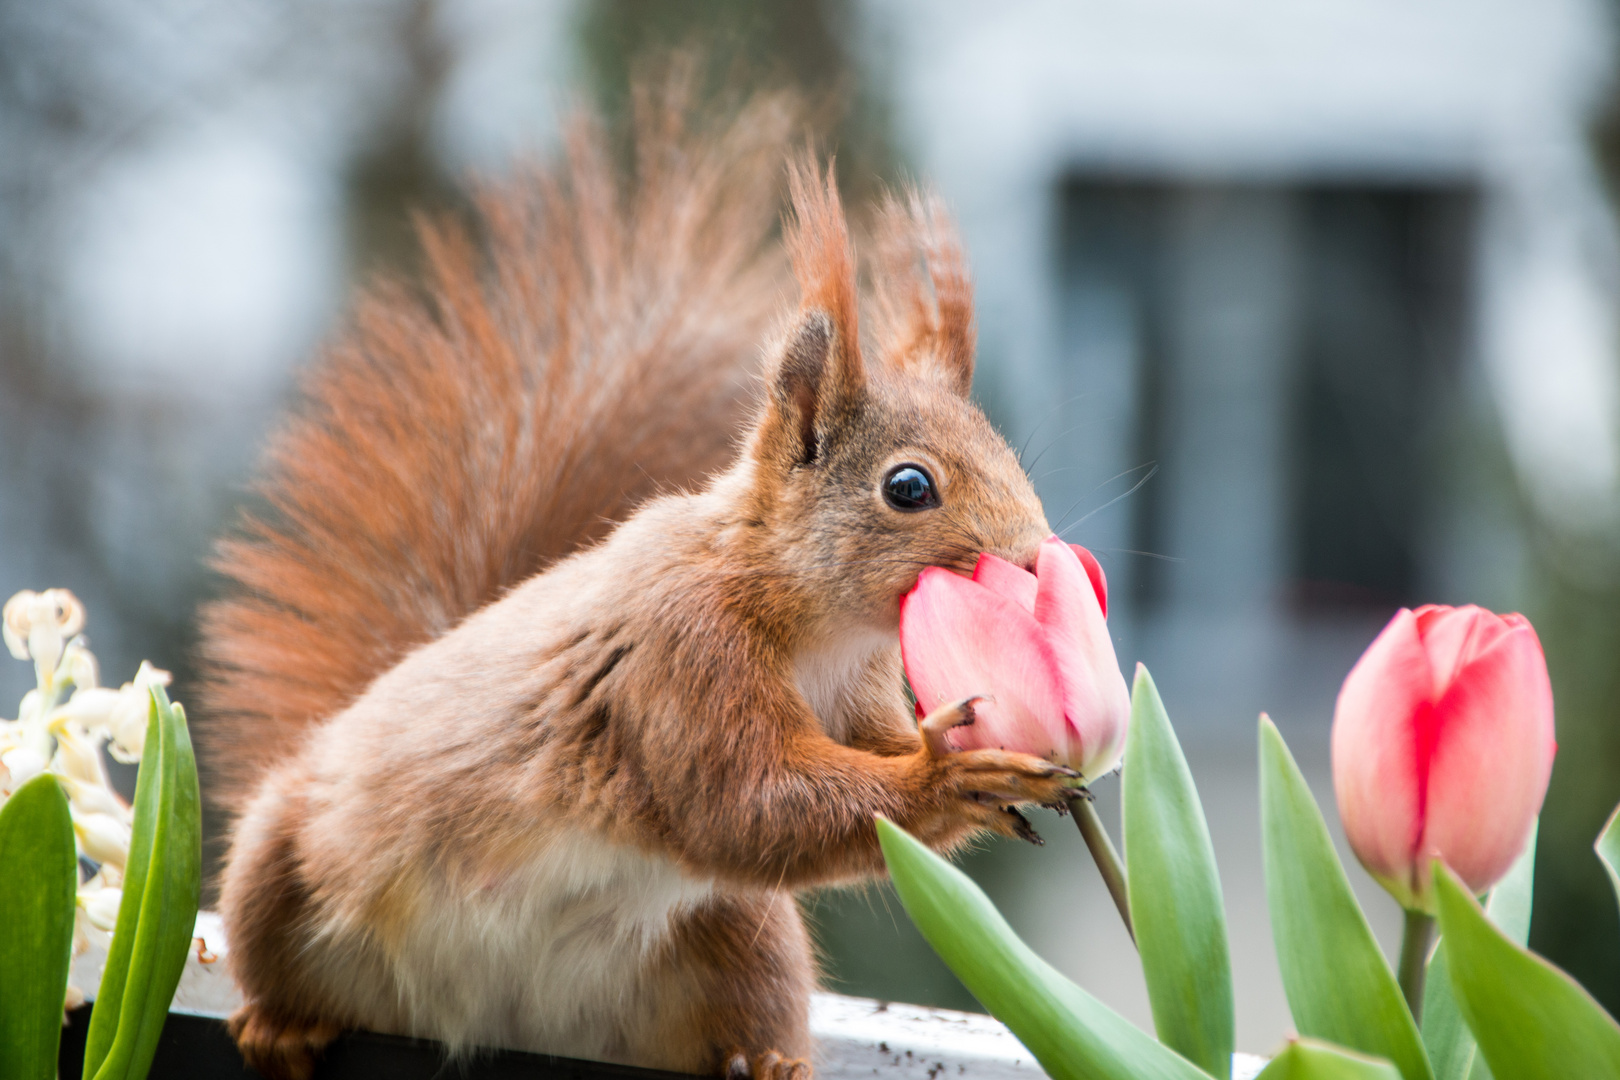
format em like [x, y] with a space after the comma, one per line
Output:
[566, 651]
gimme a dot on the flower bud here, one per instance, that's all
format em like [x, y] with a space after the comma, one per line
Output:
[23, 763]
[93, 798]
[91, 708]
[127, 722]
[77, 754]
[1035, 646]
[103, 838]
[100, 907]
[1442, 747]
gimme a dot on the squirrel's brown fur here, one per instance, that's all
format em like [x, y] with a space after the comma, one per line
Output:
[566, 810]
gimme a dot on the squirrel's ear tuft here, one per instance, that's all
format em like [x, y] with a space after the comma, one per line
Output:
[924, 297]
[806, 392]
[817, 371]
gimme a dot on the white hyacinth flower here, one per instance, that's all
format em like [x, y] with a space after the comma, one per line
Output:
[77, 755]
[87, 798]
[66, 738]
[22, 763]
[38, 626]
[103, 837]
[127, 725]
[100, 907]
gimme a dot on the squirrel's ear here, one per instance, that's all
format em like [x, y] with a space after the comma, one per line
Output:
[813, 381]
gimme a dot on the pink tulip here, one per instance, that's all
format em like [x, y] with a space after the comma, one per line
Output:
[1442, 746]
[1035, 646]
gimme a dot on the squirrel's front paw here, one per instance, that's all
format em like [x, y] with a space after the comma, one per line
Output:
[984, 786]
[767, 1066]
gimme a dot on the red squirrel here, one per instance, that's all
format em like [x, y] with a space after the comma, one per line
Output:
[564, 657]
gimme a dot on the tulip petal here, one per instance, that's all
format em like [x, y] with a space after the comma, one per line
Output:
[959, 638]
[1453, 637]
[1095, 701]
[1493, 755]
[1094, 571]
[1003, 578]
[1378, 776]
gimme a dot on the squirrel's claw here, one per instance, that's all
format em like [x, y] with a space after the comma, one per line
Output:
[1023, 829]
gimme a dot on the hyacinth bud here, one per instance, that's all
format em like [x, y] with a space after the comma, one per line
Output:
[21, 764]
[103, 837]
[1035, 646]
[1442, 747]
[100, 907]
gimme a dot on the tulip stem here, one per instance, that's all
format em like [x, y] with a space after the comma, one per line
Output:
[1103, 853]
[1415, 942]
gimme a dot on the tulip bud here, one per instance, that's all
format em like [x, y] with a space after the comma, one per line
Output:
[1442, 747]
[1035, 646]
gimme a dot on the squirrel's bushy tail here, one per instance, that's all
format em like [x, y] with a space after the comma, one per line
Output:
[595, 342]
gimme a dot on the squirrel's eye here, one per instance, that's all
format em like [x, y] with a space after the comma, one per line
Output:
[908, 487]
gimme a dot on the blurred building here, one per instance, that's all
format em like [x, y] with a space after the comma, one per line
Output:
[1300, 313]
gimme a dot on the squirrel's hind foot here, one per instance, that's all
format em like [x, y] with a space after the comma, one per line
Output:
[278, 1047]
[767, 1066]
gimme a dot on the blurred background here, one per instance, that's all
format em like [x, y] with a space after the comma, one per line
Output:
[1304, 312]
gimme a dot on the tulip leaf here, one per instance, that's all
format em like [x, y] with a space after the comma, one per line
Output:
[1533, 1022]
[1451, 1046]
[39, 876]
[1338, 983]
[1175, 891]
[1072, 1034]
[158, 914]
[1608, 849]
[1311, 1059]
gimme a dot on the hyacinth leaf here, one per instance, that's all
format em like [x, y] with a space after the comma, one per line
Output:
[1175, 891]
[37, 890]
[1533, 1022]
[1608, 849]
[1312, 1059]
[1451, 1046]
[1072, 1034]
[1337, 981]
[158, 914]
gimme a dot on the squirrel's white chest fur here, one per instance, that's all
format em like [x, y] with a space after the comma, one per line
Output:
[552, 958]
[829, 668]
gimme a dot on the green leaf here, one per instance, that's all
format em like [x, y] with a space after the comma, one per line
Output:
[1338, 983]
[1608, 849]
[1072, 1034]
[1532, 1021]
[39, 877]
[158, 914]
[1175, 891]
[1309, 1059]
[1451, 1045]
